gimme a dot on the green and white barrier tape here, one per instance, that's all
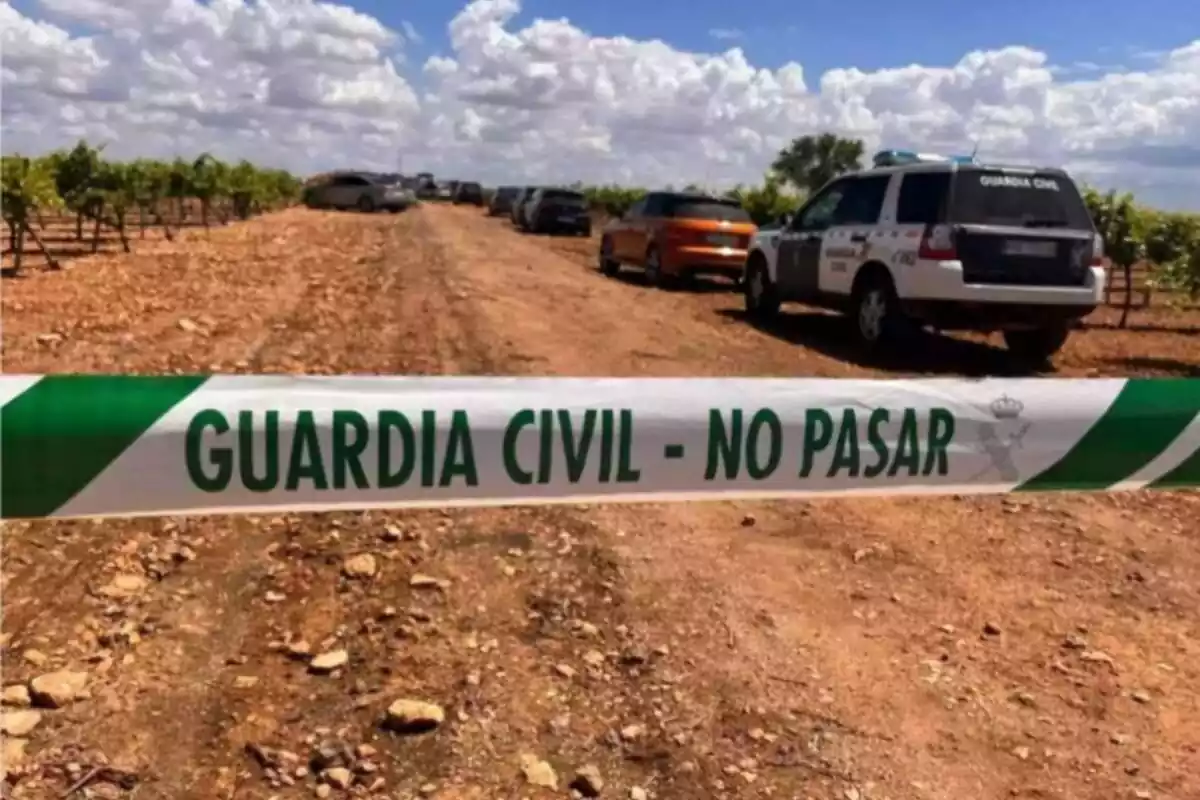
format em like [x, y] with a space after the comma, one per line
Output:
[98, 446]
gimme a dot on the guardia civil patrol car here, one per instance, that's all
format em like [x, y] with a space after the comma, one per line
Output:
[939, 241]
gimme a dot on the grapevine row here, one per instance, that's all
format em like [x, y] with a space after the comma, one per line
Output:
[105, 193]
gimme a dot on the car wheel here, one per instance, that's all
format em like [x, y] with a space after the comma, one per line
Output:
[654, 274]
[608, 265]
[366, 204]
[1038, 346]
[762, 300]
[877, 316]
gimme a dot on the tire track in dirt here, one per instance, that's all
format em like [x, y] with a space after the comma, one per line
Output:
[332, 311]
[825, 615]
[873, 609]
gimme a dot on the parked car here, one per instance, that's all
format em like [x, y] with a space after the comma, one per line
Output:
[426, 187]
[940, 241]
[674, 235]
[518, 205]
[444, 190]
[502, 200]
[361, 190]
[468, 192]
[551, 210]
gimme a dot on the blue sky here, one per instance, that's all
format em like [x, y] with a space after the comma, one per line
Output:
[883, 33]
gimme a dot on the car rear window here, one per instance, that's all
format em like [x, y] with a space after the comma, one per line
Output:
[705, 208]
[1010, 197]
[507, 191]
[563, 194]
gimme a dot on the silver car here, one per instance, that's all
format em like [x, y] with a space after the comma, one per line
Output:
[364, 191]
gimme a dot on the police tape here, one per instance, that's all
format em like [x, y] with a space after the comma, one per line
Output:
[99, 446]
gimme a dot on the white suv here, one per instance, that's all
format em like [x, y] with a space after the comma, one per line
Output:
[944, 242]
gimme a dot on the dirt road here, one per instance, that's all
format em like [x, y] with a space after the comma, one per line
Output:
[1036, 647]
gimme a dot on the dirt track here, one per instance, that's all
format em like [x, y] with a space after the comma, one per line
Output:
[1037, 647]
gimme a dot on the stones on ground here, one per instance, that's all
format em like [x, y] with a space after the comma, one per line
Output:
[638, 793]
[57, 689]
[188, 326]
[1141, 696]
[588, 781]
[420, 581]
[361, 566]
[19, 723]
[538, 772]
[991, 629]
[17, 695]
[593, 658]
[299, 650]
[34, 657]
[339, 777]
[123, 587]
[323, 790]
[413, 716]
[245, 681]
[1096, 657]
[632, 733]
[13, 755]
[565, 670]
[327, 662]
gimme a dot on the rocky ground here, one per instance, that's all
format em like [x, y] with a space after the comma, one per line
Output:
[1032, 647]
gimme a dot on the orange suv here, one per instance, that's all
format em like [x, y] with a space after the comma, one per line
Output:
[674, 235]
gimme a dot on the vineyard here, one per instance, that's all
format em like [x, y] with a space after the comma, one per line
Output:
[1151, 252]
[106, 195]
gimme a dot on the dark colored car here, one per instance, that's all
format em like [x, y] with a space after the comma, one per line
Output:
[426, 188]
[502, 200]
[558, 211]
[468, 192]
[517, 215]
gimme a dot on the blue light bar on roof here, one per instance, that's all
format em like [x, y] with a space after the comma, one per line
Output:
[891, 158]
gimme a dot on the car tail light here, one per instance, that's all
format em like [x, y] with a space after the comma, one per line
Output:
[938, 243]
[1097, 250]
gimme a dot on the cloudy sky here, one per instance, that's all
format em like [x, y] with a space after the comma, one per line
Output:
[627, 91]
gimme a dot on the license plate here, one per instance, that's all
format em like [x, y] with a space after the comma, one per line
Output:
[721, 240]
[568, 219]
[1032, 249]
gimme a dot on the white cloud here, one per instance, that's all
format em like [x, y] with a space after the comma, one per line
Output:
[312, 85]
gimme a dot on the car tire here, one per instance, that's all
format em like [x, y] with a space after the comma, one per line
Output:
[653, 268]
[366, 204]
[762, 298]
[1036, 347]
[609, 267]
[877, 318]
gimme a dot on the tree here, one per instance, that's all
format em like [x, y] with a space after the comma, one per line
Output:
[28, 186]
[767, 203]
[810, 162]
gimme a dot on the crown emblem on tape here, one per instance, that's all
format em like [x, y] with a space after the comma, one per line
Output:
[1006, 407]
